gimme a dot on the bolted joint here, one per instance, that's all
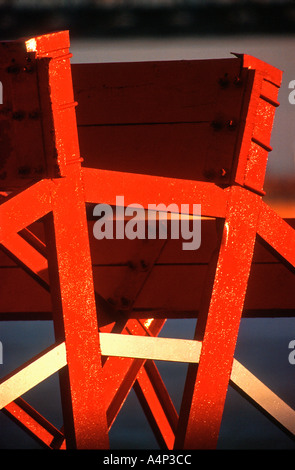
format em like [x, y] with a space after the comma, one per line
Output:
[224, 81]
[223, 172]
[217, 124]
[24, 170]
[231, 124]
[13, 69]
[125, 303]
[210, 173]
[144, 265]
[238, 81]
[18, 115]
[29, 68]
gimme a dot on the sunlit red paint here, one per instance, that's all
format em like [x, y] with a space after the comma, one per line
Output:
[94, 388]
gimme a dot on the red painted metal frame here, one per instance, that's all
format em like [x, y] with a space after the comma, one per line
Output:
[35, 424]
[71, 282]
[217, 326]
[93, 388]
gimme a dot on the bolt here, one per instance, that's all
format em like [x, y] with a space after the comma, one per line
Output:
[209, 174]
[13, 69]
[125, 302]
[131, 265]
[18, 115]
[24, 170]
[238, 81]
[217, 125]
[231, 124]
[224, 81]
[143, 265]
[29, 69]
[223, 172]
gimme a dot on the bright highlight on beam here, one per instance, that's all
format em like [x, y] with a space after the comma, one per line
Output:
[31, 45]
[32, 374]
[147, 348]
[148, 322]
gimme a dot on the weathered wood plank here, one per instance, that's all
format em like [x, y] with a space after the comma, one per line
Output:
[174, 150]
[170, 288]
[151, 92]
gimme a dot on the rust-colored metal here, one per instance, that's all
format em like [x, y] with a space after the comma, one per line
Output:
[204, 139]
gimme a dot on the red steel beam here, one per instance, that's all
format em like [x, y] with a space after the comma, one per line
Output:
[34, 424]
[69, 261]
[122, 373]
[278, 234]
[24, 254]
[104, 186]
[75, 318]
[157, 405]
[36, 265]
[17, 211]
[33, 262]
[206, 384]
[34, 241]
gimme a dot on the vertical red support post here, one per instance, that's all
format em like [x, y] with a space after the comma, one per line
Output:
[69, 261]
[219, 318]
[207, 383]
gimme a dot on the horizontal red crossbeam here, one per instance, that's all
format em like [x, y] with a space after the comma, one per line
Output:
[102, 186]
